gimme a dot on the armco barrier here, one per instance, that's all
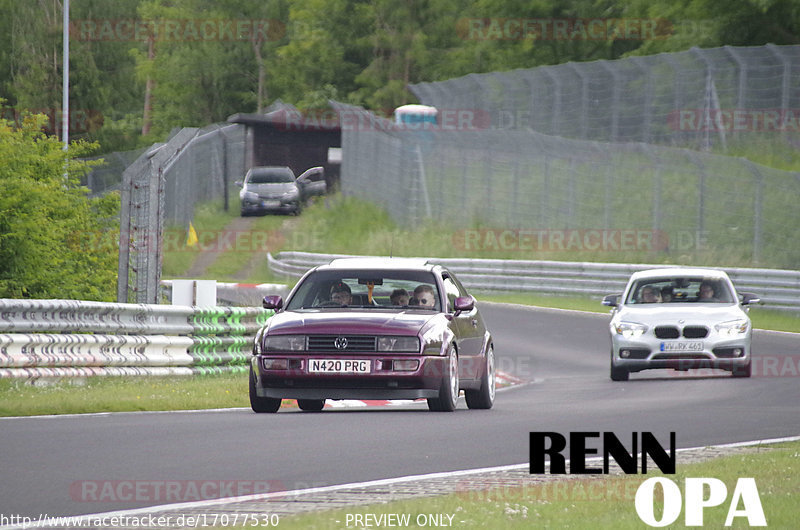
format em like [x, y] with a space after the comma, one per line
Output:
[778, 289]
[69, 338]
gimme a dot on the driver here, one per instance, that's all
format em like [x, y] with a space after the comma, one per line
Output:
[341, 294]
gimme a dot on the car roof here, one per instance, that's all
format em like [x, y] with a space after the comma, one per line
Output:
[264, 170]
[379, 263]
[679, 271]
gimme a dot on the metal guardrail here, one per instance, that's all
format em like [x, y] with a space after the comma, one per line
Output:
[778, 289]
[67, 338]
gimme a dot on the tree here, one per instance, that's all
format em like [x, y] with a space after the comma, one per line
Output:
[55, 241]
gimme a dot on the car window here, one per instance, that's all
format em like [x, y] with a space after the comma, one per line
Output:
[367, 289]
[679, 289]
[452, 291]
[270, 176]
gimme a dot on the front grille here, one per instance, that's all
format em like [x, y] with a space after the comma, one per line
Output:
[695, 332]
[351, 343]
[667, 332]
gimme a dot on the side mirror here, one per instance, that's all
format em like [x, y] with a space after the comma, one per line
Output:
[750, 298]
[239, 183]
[610, 300]
[464, 303]
[272, 301]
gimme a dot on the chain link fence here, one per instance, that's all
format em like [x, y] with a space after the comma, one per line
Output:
[691, 99]
[161, 187]
[548, 187]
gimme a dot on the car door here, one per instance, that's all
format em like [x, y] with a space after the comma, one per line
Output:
[312, 183]
[470, 330]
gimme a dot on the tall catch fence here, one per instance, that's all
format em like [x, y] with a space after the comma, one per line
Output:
[691, 99]
[560, 191]
[162, 187]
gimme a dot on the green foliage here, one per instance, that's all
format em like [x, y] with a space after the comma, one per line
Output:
[364, 52]
[55, 242]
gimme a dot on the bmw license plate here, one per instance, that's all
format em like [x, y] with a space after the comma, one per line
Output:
[339, 366]
[682, 346]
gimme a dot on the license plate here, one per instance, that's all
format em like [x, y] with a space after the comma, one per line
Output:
[682, 346]
[270, 204]
[339, 366]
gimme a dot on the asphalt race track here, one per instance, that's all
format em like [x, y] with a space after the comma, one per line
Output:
[54, 466]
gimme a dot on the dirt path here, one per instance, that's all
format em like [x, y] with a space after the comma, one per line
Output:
[209, 255]
[238, 225]
[259, 259]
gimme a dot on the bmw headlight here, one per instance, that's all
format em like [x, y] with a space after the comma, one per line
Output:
[630, 330]
[285, 343]
[732, 327]
[398, 344]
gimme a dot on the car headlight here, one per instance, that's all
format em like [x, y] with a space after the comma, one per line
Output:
[248, 196]
[398, 344]
[291, 195]
[732, 327]
[285, 343]
[630, 330]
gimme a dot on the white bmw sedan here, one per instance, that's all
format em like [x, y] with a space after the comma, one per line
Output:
[680, 319]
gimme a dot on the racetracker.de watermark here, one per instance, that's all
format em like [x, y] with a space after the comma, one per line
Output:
[564, 29]
[358, 120]
[735, 120]
[80, 120]
[545, 492]
[177, 240]
[577, 240]
[168, 491]
[176, 30]
[762, 366]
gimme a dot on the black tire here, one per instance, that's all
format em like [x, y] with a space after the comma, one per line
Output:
[483, 398]
[617, 373]
[261, 404]
[744, 371]
[311, 405]
[448, 390]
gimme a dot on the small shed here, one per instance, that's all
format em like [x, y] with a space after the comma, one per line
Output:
[286, 136]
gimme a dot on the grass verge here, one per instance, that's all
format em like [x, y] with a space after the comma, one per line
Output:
[117, 394]
[606, 502]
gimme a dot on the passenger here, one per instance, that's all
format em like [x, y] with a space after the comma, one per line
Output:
[341, 294]
[650, 295]
[424, 296]
[399, 297]
[707, 293]
[667, 294]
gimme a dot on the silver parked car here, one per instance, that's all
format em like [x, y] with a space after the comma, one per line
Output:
[275, 189]
[680, 319]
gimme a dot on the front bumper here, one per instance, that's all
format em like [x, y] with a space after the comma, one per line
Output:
[382, 381]
[270, 205]
[646, 353]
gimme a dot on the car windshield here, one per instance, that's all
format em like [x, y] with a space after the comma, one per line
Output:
[677, 290]
[271, 176]
[367, 289]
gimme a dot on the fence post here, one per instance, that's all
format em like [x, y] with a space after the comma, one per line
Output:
[757, 209]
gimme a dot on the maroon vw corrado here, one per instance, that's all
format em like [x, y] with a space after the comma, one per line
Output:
[373, 328]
